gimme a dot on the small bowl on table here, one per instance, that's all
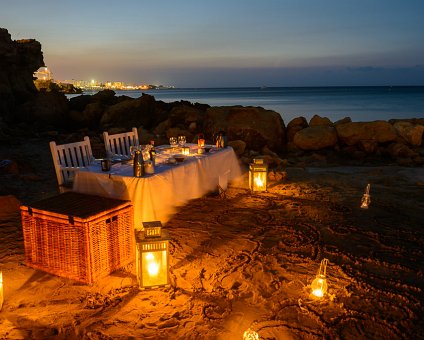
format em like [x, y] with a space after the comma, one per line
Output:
[179, 158]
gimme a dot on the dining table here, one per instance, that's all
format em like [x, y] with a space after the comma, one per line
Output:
[157, 196]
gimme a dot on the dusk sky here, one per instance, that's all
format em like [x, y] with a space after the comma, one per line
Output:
[195, 43]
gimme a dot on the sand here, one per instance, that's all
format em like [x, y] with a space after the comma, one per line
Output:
[248, 261]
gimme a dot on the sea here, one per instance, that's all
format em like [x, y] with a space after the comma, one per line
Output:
[360, 103]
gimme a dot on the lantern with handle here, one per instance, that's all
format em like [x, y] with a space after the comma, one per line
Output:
[258, 173]
[319, 284]
[152, 255]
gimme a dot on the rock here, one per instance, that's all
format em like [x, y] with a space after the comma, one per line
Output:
[316, 138]
[378, 131]
[412, 134]
[9, 205]
[398, 150]
[161, 128]
[295, 125]
[343, 121]
[239, 146]
[90, 117]
[192, 127]
[319, 121]
[18, 61]
[129, 112]
[176, 131]
[185, 114]
[369, 146]
[47, 109]
[256, 126]
[277, 176]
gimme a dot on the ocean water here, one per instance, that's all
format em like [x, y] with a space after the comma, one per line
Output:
[358, 103]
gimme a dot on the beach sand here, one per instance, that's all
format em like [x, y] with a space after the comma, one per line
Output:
[247, 261]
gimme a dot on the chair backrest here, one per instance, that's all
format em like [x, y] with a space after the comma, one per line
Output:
[68, 158]
[119, 143]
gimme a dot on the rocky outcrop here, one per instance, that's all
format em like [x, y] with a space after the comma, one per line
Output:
[47, 110]
[378, 131]
[18, 61]
[294, 126]
[411, 133]
[318, 121]
[256, 126]
[143, 111]
[316, 137]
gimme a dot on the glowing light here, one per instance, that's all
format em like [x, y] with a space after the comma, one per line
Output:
[319, 284]
[259, 182]
[366, 198]
[250, 334]
[153, 268]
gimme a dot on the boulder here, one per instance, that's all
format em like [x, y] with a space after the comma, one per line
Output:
[318, 121]
[128, 112]
[398, 150]
[378, 131]
[18, 61]
[316, 137]
[256, 126]
[239, 146]
[185, 114]
[294, 126]
[47, 109]
[90, 117]
[9, 205]
[343, 121]
[411, 133]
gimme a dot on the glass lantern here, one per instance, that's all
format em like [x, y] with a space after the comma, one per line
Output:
[319, 284]
[258, 173]
[152, 249]
[185, 150]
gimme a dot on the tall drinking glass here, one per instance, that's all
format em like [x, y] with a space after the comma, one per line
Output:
[181, 141]
[173, 142]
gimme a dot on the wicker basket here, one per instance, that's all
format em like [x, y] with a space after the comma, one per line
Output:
[77, 236]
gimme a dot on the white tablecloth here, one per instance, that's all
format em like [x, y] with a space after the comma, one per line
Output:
[155, 197]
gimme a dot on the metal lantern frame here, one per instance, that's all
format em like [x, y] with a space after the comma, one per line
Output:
[258, 171]
[152, 256]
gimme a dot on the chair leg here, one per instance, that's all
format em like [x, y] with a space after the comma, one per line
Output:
[222, 193]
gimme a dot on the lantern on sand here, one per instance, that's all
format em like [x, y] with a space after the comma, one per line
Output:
[1, 290]
[366, 198]
[258, 172]
[152, 255]
[319, 284]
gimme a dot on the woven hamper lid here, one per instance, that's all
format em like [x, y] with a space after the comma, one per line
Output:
[76, 204]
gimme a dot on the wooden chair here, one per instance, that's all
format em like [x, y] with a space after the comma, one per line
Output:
[119, 143]
[69, 158]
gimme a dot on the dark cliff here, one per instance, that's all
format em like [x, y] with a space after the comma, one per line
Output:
[18, 61]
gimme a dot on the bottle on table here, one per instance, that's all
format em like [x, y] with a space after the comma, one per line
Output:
[138, 164]
[152, 152]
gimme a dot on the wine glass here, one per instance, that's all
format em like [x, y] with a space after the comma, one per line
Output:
[181, 141]
[133, 149]
[173, 142]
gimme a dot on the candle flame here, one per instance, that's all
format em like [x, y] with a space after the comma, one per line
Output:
[259, 182]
